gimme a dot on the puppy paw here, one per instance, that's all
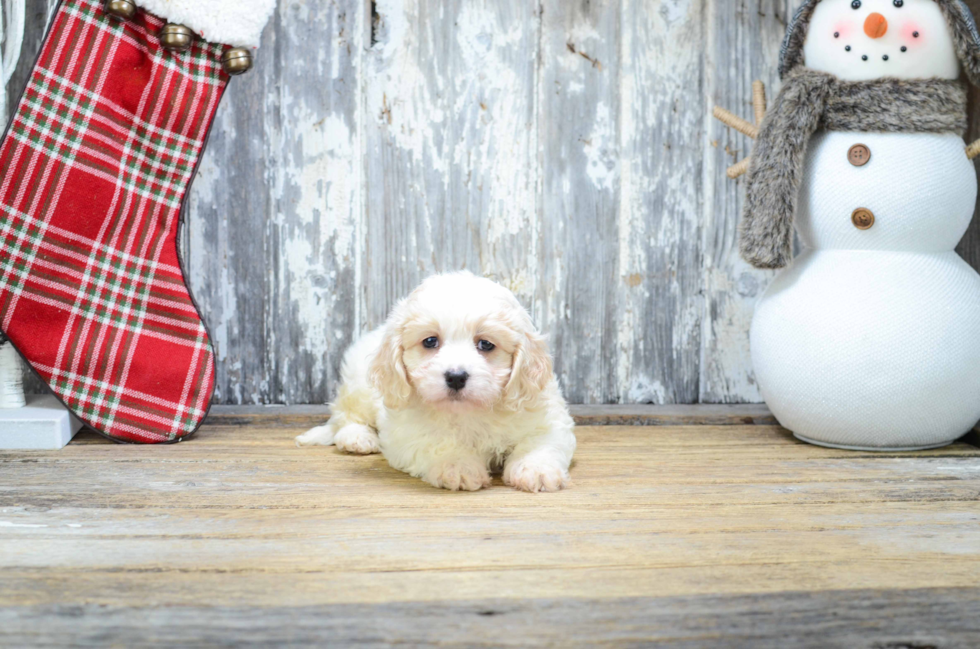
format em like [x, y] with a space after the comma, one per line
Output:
[319, 436]
[357, 439]
[536, 476]
[460, 476]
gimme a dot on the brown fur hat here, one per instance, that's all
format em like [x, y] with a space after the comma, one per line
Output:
[958, 15]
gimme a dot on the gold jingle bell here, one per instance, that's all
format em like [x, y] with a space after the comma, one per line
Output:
[121, 9]
[237, 60]
[176, 38]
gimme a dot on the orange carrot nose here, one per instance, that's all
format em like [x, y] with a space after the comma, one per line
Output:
[876, 25]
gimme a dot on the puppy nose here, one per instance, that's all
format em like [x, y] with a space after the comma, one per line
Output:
[456, 379]
[876, 25]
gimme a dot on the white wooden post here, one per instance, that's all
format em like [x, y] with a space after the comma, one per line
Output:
[11, 377]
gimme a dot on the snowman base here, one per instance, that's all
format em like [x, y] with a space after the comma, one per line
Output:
[872, 449]
[871, 349]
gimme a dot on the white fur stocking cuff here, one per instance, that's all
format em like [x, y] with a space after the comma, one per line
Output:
[231, 22]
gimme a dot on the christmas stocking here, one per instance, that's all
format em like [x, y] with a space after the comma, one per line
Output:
[95, 165]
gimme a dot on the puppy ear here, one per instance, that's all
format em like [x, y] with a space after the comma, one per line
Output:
[532, 370]
[387, 371]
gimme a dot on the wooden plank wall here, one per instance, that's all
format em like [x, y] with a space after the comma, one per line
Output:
[562, 147]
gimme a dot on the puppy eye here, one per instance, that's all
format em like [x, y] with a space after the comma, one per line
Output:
[485, 346]
[856, 4]
[899, 3]
[430, 343]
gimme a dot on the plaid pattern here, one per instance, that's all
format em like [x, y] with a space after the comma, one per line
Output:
[95, 166]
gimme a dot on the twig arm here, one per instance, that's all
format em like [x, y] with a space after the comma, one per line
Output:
[740, 169]
[734, 121]
[759, 101]
[759, 108]
[973, 150]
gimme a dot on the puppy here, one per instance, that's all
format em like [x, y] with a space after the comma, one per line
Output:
[456, 384]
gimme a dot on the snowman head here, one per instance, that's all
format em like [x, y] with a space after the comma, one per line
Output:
[859, 40]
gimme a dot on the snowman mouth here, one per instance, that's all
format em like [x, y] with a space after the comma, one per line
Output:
[884, 57]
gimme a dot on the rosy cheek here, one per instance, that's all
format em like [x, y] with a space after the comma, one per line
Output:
[911, 34]
[845, 28]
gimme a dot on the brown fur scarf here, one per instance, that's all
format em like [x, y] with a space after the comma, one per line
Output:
[812, 100]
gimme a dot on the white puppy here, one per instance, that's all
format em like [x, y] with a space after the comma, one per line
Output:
[456, 384]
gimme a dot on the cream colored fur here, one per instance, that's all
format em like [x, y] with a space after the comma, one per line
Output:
[394, 396]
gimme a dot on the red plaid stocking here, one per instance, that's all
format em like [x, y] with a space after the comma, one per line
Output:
[95, 165]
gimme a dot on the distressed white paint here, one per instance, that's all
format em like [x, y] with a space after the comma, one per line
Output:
[562, 147]
[23, 525]
[659, 202]
[741, 46]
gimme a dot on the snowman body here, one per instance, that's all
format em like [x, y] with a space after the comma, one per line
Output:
[871, 338]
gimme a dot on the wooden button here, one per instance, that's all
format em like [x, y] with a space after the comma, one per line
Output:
[863, 218]
[859, 155]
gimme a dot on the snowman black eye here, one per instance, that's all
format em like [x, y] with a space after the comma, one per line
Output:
[899, 3]
[856, 4]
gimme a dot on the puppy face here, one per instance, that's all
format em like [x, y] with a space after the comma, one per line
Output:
[460, 343]
[461, 362]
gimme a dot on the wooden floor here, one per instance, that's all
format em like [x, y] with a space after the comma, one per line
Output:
[694, 536]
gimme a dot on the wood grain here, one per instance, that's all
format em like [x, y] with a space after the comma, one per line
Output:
[742, 46]
[631, 415]
[913, 619]
[253, 530]
[273, 222]
[656, 296]
[450, 140]
[578, 131]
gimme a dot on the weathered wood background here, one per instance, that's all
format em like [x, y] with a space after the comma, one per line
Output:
[562, 147]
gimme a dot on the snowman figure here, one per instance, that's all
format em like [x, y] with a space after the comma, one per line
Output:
[870, 338]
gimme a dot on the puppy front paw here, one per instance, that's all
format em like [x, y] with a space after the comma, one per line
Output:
[357, 440]
[319, 436]
[536, 476]
[460, 476]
